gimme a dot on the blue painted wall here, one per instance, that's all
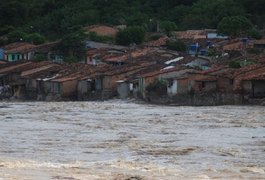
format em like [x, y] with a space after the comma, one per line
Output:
[1, 54]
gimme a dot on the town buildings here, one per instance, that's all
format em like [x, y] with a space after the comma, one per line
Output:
[150, 72]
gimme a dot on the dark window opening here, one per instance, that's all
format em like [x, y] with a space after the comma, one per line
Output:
[203, 84]
[93, 85]
[170, 82]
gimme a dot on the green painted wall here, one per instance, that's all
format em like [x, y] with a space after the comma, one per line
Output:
[14, 57]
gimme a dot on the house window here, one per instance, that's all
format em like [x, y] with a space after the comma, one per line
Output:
[18, 57]
[13, 57]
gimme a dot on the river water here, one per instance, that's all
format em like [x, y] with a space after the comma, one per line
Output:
[126, 140]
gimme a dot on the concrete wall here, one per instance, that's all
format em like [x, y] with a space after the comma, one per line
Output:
[172, 88]
[123, 89]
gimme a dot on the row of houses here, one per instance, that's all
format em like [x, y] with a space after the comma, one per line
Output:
[26, 51]
[51, 81]
[111, 70]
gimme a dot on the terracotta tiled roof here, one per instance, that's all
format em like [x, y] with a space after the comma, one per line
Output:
[209, 78]
[46, 47]
[247, 69]
[161, 71]
[259, 76]
[9, 67]
[221, 71]
[134, 54]
[79, 72]
[19, 48]
[36, 70]
[191, 34]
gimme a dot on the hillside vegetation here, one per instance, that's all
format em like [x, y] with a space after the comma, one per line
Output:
[53, 19]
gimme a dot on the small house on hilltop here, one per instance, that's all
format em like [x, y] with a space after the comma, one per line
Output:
[19, 51]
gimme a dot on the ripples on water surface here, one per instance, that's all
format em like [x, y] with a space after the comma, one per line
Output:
[123, 140]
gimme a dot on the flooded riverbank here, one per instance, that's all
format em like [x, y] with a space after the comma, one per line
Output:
[125, 140]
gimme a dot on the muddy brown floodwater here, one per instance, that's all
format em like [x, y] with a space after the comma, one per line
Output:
[124, 140]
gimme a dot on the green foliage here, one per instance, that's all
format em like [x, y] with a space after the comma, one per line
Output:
[167, 27]
[19, 35]
[130, 35]
[254, 33]
[72, 46]
[235, 26]
[213, 52]
[234, 64]
[6, 29]
[176, 46]
[208, 13]
[35, 38]
[154, 37]
[40, 57]
[241, 63]
[54, 18]
[159, 87]
[16, 35]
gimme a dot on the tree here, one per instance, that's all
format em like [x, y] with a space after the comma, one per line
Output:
[235, 26]
[177, 46]
[16, 35]
[72, 46]
[167, 27]
[35, 38]
[134, 34]
[208, 13]
[159, 87]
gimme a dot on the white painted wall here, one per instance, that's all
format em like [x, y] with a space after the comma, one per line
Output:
[173, 90]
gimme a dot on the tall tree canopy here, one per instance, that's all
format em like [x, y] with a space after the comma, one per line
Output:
[235, 26]
[54, 18]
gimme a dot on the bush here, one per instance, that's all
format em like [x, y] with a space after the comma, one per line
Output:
[35, 38]
[158, 86]
[234, 64]
[40, 57]
[177, 46]
[239, 64]
[154, 37]
[130, 35]
[167, 27]
[254, 33]
[16, 35]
